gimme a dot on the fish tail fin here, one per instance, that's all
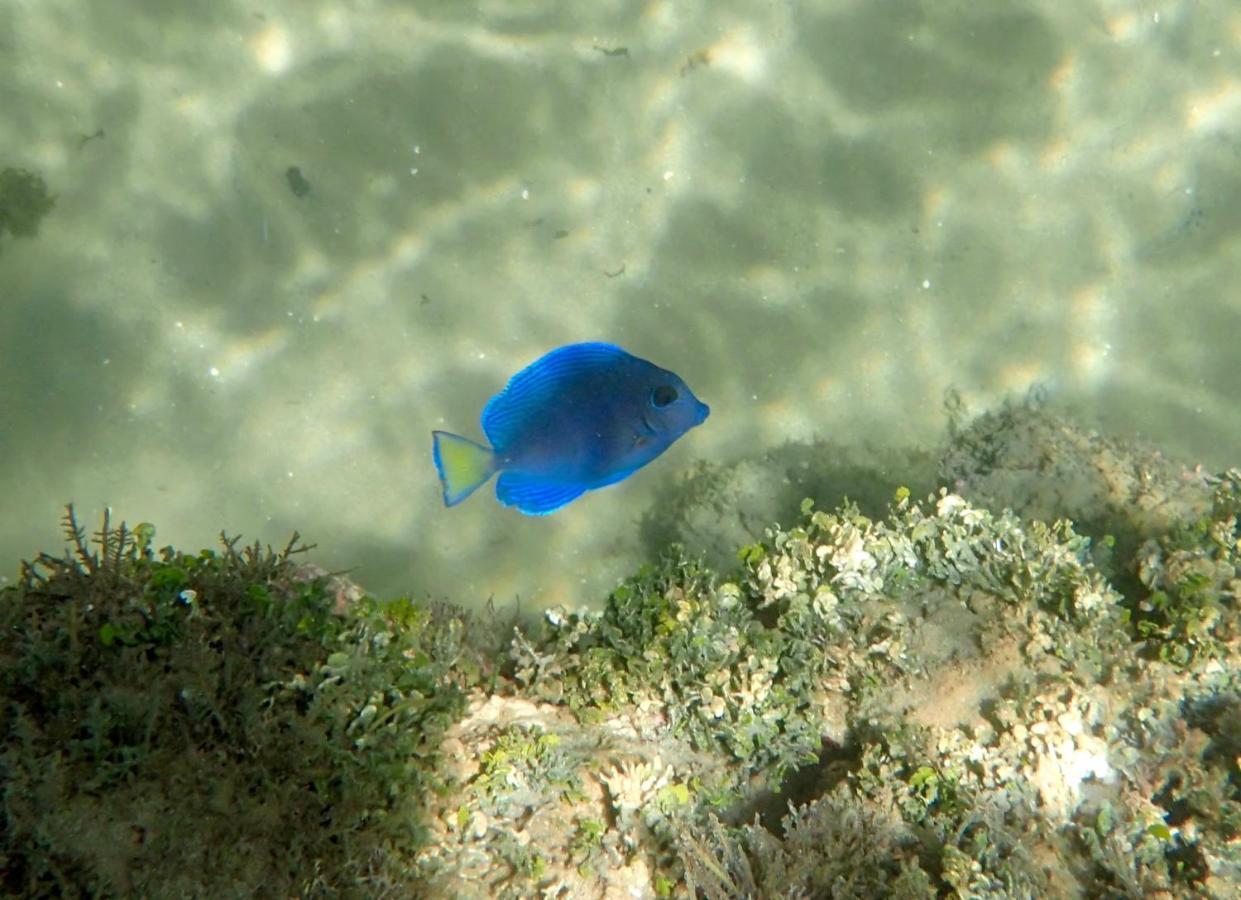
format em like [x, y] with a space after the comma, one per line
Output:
[463, 465]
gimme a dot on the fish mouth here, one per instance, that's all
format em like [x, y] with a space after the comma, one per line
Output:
[701, 413]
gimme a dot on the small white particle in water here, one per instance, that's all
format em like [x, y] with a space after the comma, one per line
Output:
[413, 171]
[290, 474]
[214, 372]
[1156, 18]
[180, 325]
[668, 175]
[754, 396]
[926, 283]
[525, 194]
[107, 361]
[417, 149]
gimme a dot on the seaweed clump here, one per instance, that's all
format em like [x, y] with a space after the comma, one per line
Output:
[24, 201]
[947, 701]
[222, 723]
[1192, 573]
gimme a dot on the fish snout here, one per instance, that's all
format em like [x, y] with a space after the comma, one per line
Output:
[701, 413]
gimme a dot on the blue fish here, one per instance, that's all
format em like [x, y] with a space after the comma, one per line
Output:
[582, 417]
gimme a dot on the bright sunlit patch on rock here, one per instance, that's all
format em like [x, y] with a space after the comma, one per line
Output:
[584, 190]
[1091, 317]
[1003, 155]
[1065, 765]
[1021, 375]
[1055, 153]
[933, 202]
[1216, 108]
[272, 49]
[741, 55]
[1061, 77]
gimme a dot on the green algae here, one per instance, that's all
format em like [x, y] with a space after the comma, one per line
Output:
[219, 720]
[946, 698]
[24, 201]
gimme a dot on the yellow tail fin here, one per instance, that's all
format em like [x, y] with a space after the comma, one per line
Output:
[462, 464]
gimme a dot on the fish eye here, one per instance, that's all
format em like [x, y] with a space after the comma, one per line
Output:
[663, 395]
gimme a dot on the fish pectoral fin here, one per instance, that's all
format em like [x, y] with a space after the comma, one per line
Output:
[533, 495]
[462, 465]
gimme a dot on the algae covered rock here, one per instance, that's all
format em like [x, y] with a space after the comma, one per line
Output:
[1042, 466]
[949, 698]
[725, 505]
[923, 698]
[1021, 457]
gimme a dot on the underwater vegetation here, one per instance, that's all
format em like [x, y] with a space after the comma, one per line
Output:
[211, 723]
[938, 699]
[24, 201]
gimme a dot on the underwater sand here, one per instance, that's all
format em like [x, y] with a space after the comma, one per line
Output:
[824, 216]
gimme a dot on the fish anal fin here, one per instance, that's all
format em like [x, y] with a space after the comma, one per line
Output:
[535, 496]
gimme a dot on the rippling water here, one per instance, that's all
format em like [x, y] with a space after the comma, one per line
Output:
[824, 216]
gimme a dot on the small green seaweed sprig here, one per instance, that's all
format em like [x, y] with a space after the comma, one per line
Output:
[523, 762]
[847, 556]
[825, 580]
[672, 641]
[1193, 582]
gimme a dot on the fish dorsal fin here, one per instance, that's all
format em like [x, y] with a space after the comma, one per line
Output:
[535, 385]
[535, 496]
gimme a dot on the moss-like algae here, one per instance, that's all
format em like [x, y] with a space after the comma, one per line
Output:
[24, 201]
[215, 724]
[949, 699]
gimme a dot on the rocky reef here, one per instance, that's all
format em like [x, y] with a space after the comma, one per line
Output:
[1018, 676]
